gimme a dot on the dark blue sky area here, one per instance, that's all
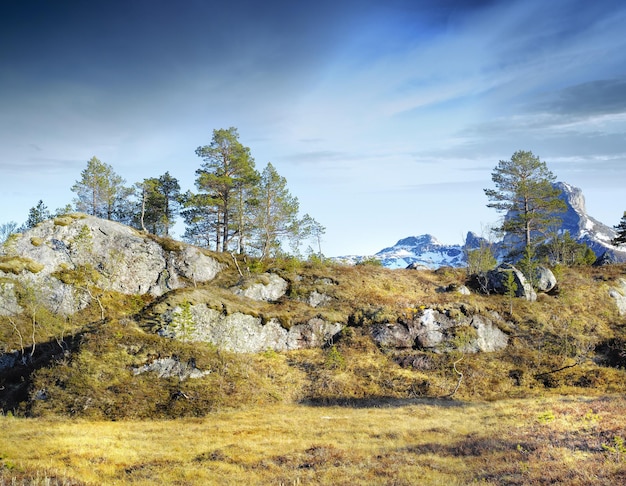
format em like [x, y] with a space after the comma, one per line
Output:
[382, 108]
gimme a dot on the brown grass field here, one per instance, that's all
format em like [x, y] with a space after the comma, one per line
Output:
[549, 440]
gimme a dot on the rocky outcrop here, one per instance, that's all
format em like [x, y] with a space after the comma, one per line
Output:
[79, 251]
[434, 330]
[245, 333]
[267, 287]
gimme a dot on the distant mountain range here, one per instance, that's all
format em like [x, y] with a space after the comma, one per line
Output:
[426, 251]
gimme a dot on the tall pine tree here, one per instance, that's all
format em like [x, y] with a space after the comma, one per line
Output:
[525, 192]
[226, 174]
[276, 214]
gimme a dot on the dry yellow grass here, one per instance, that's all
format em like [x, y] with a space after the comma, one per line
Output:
[543, 441]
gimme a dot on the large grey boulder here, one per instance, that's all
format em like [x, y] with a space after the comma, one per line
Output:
[497, 282]
[119, 258]
[545, 281]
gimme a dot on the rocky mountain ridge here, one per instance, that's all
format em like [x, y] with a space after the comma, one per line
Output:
[425, 251]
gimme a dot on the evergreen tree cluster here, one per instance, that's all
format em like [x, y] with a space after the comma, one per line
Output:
[234, 209]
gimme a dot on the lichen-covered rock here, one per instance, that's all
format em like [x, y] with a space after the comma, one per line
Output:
[243, 333]
[434, 330]
[545, 281]
[268, 287]
[79, 251]
[393, 335]
[317, 299]
[172, 367]
[9, 305]
[313, 333]
[489, 337]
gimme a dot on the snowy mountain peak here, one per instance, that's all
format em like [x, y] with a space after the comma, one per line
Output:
[423, 250]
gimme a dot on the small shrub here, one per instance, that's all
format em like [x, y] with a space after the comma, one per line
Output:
[334, 359]
[546, 417]
[616, 450]
[36, 241]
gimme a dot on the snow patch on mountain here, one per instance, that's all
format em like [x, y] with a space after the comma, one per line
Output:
[422, 250]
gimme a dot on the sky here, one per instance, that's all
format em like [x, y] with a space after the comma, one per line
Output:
[386, 118]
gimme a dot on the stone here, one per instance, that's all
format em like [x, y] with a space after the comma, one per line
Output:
[243, 333]
[431, 329]
[317, 299]
[619, 295]
[171, 367]
[489, 337]
[436, 331]
[8, 300]
[314, 333]
[393, 335]
[545, 281]
[463, 290]
[124, 259]
[497, 282]
[269, 287]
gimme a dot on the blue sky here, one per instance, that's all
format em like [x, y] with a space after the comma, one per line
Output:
[386, 117]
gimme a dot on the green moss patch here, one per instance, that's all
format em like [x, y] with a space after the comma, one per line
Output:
[68, 219]
[18, 264]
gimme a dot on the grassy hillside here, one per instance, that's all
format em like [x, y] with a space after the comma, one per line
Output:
[571, 342]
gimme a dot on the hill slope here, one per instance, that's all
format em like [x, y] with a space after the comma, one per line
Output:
[282, 330]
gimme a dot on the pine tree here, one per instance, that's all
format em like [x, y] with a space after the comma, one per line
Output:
[200, 216]
[228, 171]
[100, 191]
[277, 212]
[37, 214]
[525, 192]
[620, 239]
[169, 188]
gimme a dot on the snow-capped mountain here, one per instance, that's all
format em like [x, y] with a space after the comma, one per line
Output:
[422, 250]
[583, 227]
[580, 226]
[426, 252]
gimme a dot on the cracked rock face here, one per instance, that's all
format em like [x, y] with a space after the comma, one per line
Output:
[435, 331]
[244, 333]
[121, 258]
[269, 287]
